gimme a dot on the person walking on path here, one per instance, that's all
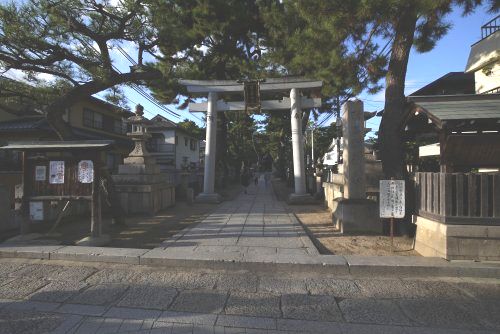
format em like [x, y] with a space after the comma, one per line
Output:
[267, 177]
[245, 177]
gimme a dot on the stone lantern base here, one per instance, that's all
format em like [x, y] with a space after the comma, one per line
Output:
[142, 189]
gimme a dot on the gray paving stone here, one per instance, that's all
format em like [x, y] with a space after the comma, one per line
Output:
[21, 287]
[372, 329]
[90, 325]
[201, 301]
[247, 282]
[188, 317]
[112, 276]
[305, 326]
[71, 273]
[246, 322]
[308, 307]
[234, 330]
[33, 306]
[333, 286]
[101, 294]
[36, 271]
[486, 310]
[129, 325]
[17, 321]
[70, 322]
[197, 329]
[9, 268]
[439, 313]
[132, 313]
[110, 325]
[480, 291]
[182, 329]
[180, 280]
[145, 296]
[147, 324]
[78, 309]
[282, 285]
[58, 291]
[253, 304]
[372, 311]
[98, 254]
[4, 280]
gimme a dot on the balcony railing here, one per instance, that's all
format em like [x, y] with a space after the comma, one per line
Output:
[459, 198]
[161, 148]
[491, 27]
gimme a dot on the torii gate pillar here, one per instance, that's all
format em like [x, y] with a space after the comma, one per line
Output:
[208, 195]
[299, 171]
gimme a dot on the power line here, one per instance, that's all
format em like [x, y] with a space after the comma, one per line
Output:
[134, 86]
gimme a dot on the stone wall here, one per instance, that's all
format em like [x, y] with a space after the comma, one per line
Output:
[457, 242]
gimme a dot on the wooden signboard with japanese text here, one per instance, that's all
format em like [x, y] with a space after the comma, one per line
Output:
[392, 198]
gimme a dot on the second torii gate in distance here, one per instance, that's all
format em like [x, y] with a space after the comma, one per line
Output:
[296, 103]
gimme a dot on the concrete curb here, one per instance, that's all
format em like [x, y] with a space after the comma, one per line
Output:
[403, 266]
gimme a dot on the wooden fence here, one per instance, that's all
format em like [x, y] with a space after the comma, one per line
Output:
[459, 198]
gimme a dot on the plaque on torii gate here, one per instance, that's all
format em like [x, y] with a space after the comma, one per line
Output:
[295, 103]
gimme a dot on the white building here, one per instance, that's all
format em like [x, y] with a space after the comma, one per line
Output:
[484, 59]
[173, 148]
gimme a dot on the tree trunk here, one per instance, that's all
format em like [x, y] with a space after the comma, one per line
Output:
[390, 133]
[391, 127]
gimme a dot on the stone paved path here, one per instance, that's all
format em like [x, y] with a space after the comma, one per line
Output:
[39, 296]
[254, 225]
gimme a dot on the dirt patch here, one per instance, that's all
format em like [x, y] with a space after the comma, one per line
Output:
[317, 221]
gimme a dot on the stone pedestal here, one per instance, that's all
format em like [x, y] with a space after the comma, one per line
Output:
[457, 242]
[354, 213]
[140, 185]
[356, 216]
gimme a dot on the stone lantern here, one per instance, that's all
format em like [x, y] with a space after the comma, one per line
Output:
[139, 183]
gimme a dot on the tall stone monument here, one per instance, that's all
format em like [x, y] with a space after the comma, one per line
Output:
[139, 183]
[354, 213]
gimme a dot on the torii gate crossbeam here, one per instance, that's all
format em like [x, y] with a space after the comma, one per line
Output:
[295, 104]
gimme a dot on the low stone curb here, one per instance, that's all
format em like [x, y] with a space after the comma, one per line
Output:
[329, 264]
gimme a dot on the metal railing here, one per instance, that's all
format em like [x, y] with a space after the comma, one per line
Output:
[458, 198]
[491, 27]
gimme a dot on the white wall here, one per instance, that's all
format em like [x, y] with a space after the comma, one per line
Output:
[489, 80]
[182, 150]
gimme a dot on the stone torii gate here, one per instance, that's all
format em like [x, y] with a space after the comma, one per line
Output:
[296, 103]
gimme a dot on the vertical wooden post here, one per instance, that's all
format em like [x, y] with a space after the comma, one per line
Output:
[496, 195]
[460, 195]
[93, 209]
[484, 200]
[472, 196]
[24, 210]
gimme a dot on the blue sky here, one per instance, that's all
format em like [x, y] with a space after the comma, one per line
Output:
[449, 55]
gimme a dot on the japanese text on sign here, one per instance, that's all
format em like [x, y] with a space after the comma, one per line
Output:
[86, 171]
[40, 173]
[56, 170]
[392, 198]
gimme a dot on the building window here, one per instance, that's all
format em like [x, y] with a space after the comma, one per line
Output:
[92, 119]
[118, 126]
[192, 145]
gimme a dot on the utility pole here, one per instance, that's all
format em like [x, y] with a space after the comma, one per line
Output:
[338, 123]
